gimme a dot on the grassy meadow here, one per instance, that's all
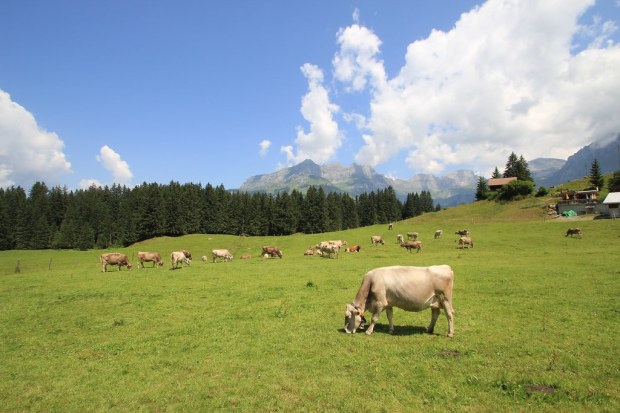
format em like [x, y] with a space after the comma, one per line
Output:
[537, 324]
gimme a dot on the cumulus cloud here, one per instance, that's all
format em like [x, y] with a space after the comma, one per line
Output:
[28, 153]
[324, 138]
[506, 78]
[113, 163]
[264, 147]
[87, 183]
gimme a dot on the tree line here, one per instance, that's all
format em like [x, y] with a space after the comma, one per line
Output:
[102, 217]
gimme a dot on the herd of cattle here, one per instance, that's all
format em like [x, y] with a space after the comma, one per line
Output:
[406, 287]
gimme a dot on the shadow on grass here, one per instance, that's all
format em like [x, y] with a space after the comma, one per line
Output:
[398, 330]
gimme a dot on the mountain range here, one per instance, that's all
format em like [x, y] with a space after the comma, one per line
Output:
[451, 189]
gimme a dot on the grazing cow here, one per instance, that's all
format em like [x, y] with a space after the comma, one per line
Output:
[271, 251]
[309, 251]
[177, 257]
[376, 239]
[573, 231]
[329, 250]
[355, 248]
[409, 288]
[204, 258]
[466, 242]
[390, 226]
[412, 235]
[114, 258]
[438, 233]
[153, 257]
[462, 232]
[187, 254]
[338, 242]
[410, 245]
[222, 254]
[400, 239]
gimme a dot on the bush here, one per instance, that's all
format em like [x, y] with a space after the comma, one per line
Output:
[516, 188]
[542, 191]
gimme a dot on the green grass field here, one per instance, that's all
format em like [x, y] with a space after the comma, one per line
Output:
[537, 324]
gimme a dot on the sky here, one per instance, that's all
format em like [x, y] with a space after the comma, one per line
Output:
[214, 92]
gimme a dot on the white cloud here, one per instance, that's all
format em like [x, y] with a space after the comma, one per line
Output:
[87, 183]
[502, 80]
[264, 147]
[324, 138]
[28, 153]
[113, 163]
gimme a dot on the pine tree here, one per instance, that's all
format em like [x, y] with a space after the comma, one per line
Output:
[511, 166]
[482, 189]
[496, 174]
[613, 183]
[596, 178]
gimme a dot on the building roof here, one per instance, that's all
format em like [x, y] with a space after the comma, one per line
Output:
[612, 198]
[500, 181]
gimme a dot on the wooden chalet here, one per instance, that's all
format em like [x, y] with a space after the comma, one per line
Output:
[495, 184]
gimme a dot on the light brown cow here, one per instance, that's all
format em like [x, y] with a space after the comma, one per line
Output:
[330, 250]
[153, 257]
[376, 239]
[222, 254]
[411, 245]
[573, 231]
[177, 257]
[409, 288]
[412, 235]
[466, 242]
[114, 258]
[438, 233]
[271, 251]
[390, 226]
[400, 239]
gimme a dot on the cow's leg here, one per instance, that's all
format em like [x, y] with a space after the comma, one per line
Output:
[389, 311]
[373, 321]
[447, 307]
[435, 310]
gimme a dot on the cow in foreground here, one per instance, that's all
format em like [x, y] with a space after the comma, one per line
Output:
[114, 258]
[376, 239]
[412, 245]
[409, 288]
[222, 254]
[153, 257]
[272, 252]
[573, 231]
[177, 257]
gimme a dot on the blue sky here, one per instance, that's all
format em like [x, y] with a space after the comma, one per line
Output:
[215, 92]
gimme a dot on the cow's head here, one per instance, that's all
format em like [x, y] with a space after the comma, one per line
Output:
[353, 319]
[161, 263]
[129, 266]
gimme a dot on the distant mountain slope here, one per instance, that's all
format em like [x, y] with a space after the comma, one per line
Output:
[579, 164]
[452, 189]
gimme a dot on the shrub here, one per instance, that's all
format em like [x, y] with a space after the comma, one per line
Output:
[542, 191]
[516, 188]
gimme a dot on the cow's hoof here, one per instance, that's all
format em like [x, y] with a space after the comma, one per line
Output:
[450, 335]
[368, 332]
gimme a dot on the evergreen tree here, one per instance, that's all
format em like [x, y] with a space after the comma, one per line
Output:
[511, 166]
[314, 218]
[523, 170]
[409, 209]
[482, 189]
[5, 242]
[596, 178]
[334, 212]
[366, 209]
[613, 183]
[496, 174]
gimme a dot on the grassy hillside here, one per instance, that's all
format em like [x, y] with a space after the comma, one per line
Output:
[536, 318]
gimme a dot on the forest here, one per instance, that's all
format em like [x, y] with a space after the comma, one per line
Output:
[103, 217]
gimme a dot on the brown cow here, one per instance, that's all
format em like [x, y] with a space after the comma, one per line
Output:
[573, 231]
[466, 242]
[438, 233]
[409, 288]
[412, 235]
[376, 239]
[271, 251]
[355, 248]
[153, 257]
[462, 232]
[410, 245]
[114, 258]
[329, 250]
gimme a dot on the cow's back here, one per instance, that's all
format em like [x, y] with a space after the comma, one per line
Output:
[411, 288]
